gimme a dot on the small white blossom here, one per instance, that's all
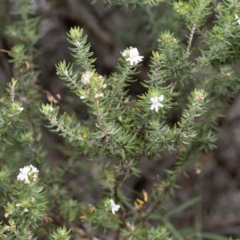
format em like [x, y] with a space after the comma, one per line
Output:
[34, 170]
[237, 18]
[25, 210]
[51, 109]
[82, 97]
[114, 207]
[132, 56]
[35, 177]
[7, 228]
[98, 95]
[86, 77]
[156, 102]
[20, 109]
[26, 172]
[23, 175]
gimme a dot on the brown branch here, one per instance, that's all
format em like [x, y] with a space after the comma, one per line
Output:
[6, 51]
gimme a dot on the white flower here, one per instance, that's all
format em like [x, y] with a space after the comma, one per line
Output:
[27, 172]
[156, 102]
[114, 207]
[23, 175]
[86, 77]
[132, 56]
[237, 18]
[20, 109]
[51, 109]
[98, 95]
[82, 97]
[34, 170]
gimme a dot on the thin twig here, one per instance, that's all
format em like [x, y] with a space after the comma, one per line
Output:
[190, 40]
[6, 51]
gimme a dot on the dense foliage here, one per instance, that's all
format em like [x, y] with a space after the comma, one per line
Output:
[121, 129]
